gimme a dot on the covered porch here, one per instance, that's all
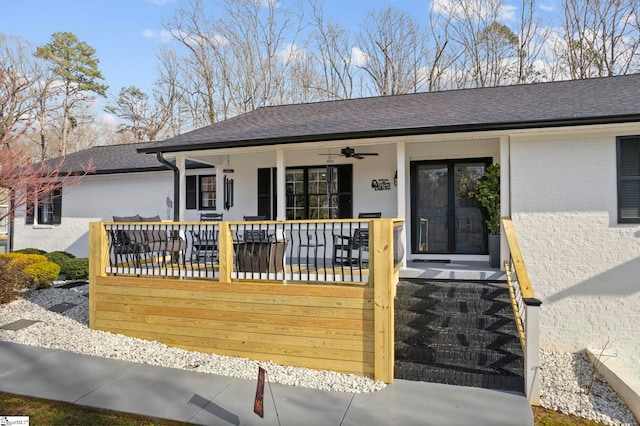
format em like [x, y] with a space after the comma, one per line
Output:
[423, 180]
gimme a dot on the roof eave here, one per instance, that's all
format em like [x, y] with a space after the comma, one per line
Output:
[432, 130]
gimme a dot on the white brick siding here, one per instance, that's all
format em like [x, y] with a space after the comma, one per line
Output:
[584, 266]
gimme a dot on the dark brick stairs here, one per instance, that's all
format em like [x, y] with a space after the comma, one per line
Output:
[458, 333]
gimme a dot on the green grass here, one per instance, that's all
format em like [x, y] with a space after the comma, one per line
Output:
[45, 412]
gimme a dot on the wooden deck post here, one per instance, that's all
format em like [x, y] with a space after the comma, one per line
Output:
[225, 252]
[382, 276]
[98, 260]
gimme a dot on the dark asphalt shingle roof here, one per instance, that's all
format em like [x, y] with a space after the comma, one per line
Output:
[111, 159]
[562, 103]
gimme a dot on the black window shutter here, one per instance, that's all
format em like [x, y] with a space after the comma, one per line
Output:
[264, 192]
[57, 206]
[31, 207]
[192, 193]
[345, 190]
[629, 179]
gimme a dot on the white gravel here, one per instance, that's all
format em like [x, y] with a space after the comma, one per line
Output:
[564, 377]
[565, 380]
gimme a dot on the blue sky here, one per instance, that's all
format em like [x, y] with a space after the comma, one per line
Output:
[122, 31]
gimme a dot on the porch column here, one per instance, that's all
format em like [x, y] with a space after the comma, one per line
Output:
[505, 193]
[181, 204]
[401, 193]
[281, 195]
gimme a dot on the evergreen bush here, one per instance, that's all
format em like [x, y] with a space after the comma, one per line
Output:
[76, 268]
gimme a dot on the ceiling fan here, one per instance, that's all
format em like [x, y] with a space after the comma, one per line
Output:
[351, 153]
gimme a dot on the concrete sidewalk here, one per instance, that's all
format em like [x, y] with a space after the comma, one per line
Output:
[216, 400]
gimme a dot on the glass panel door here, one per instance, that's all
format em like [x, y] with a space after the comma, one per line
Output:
[431, 210]
[446, 218]
[470, 234]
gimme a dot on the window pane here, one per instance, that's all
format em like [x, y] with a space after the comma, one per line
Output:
[629, 199]
[629, 179]
[630, 157]
[310, 198]
[208, 192]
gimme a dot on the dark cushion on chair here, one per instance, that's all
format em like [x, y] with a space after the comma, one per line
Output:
[135, 218]
[155, 218]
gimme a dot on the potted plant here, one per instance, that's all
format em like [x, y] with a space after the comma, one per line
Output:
[488, 194]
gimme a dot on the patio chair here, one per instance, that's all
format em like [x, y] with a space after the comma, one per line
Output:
[344, 246]
[211, 217]
[255, 218]
[204, 245]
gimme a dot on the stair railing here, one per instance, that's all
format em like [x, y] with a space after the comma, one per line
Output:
[526, 310]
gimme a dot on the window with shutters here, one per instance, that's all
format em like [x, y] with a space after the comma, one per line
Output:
[47, 210]
[628, 148]
[201, 192]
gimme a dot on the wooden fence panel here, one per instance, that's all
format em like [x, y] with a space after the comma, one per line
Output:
[316, 326]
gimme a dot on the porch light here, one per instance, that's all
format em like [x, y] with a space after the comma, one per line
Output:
[395, 179]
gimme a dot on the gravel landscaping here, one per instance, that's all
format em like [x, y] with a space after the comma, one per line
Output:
[564, 377]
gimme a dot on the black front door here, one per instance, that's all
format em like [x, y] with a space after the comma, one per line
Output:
[446, 219]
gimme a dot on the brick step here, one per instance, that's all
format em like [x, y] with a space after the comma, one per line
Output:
[414, 304]
[491, 322]
[458, 376]
[502, 360]
[424, 338]
[451, 289]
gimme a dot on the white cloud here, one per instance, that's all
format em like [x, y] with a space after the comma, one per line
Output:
[291, 52]
[163, 36]
[508, 13]
[358, 57]
[107, 120]
[547, 7]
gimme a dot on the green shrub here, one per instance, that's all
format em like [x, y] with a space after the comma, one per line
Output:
[59, 257]
[76, 268]
[60, 253]
[31, 251]
[42, 274]
[12, 281]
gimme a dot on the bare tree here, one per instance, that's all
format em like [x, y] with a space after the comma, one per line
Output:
[487, 48]
[195, 32]
[602, 37]
[332, 53]
[257, 32]
[531, 39]
[395, 50]
[20, 73]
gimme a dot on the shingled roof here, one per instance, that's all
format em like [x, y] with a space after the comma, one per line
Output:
[562, 103]
[110, 159]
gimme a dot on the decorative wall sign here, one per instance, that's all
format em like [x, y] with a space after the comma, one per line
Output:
[381, 184]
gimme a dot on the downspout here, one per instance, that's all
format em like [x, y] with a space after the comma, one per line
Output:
[176, 185]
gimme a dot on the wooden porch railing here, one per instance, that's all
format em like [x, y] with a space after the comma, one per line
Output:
[158, 281]
[526, 310]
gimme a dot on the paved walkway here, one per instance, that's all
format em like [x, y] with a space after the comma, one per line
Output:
[216, 400]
